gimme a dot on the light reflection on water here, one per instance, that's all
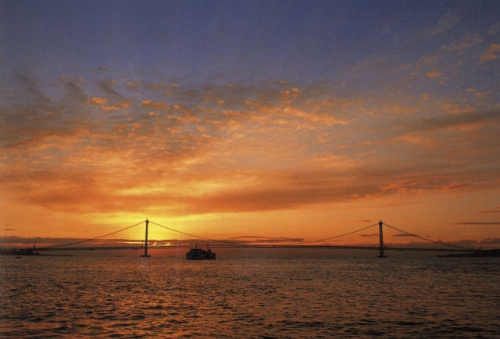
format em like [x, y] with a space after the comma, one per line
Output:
[277, 295]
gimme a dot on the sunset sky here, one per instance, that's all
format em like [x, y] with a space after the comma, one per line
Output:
[260, 119]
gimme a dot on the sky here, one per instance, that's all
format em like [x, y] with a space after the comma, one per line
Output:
[285, 121]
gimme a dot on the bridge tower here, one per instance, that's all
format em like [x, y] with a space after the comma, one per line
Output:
[146, 255]
[381, 234]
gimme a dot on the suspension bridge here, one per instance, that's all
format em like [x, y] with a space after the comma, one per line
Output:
[381, 246]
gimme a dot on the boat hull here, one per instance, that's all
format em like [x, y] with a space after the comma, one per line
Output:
[200, 254]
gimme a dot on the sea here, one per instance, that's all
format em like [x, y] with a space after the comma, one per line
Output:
[249, 293]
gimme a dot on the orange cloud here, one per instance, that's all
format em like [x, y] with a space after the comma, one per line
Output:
[433, 74]
[110, 108]
[98, 101]
[235, 149]
[492, 53]
[489, 57]
[155, 104]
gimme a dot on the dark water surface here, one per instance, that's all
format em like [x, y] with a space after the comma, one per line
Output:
[249, 296]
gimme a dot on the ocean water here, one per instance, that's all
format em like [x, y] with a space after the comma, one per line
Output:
[249, 294]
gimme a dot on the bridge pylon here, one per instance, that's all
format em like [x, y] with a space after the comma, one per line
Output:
[146, 255]
[381, 236]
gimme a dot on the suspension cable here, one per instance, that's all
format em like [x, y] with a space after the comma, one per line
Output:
[102, 236]
[192, 235]
[233, 243]
[429, 240]
[342, 235]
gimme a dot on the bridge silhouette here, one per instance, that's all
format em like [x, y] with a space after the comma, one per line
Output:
[145, 246]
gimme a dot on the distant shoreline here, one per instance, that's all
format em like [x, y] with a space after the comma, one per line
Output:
[475, 254]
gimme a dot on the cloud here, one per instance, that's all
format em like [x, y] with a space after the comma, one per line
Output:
[468, 41]
[227, 148]
[478, 223]
[433, 74]
[159, 105]
[98, 101]
[133, 85]
[109, 88]
[288, 197]
[489, 57]
[265, 240]
[372, 235]
[492, 53]
[110, 108]
[454, 120]
[497, 210]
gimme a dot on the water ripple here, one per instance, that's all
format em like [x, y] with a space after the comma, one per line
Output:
[249, 298]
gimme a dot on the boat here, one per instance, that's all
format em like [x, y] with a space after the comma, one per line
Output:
[200, 254]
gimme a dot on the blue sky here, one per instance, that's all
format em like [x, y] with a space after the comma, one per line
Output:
[250, 41]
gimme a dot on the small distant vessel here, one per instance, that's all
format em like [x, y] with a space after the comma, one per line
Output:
[200, 254]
